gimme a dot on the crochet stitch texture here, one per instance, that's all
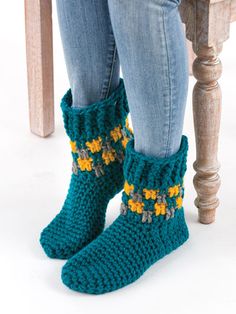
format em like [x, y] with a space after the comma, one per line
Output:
[98, 137]
[151, 225]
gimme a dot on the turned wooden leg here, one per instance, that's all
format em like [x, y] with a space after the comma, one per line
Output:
[38, 27]
[207, 111]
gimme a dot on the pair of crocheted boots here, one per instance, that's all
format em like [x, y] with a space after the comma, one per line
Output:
[151, 223]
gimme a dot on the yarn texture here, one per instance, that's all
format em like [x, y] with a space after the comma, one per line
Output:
[151, 225]
[98, 137]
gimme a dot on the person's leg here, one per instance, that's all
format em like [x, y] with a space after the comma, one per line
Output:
[95, 112]
[151, 47]
[89, 48]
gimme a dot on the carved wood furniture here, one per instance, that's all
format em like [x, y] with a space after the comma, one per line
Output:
[207, 27]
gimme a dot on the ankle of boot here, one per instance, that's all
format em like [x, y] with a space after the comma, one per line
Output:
[153, 186]
[98, 133]
[97, 119]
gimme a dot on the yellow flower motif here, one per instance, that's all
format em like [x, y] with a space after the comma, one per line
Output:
[150, 194]
[128, 188]
[73, 146]
[108, 156]
[179, 202]
[116, 133]
[85, 164]
[173, 190]
[95, 145]
[136, 206]
[127, 126]
[125, 141]
[160, 209]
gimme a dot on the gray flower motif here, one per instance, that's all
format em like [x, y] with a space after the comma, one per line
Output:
[170, 213]
[164, 199]
[136, 197]
[147, 216]
[83, 153]
[98, 170]
[107, 146]
[120, 156]
[75, 168]
[124, 133]
[123, 209]
[161, 199]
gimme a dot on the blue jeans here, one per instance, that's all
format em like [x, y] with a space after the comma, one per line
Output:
[146, 38]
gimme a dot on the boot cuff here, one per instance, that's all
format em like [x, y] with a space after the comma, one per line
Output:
[150, 172]
[98, 118]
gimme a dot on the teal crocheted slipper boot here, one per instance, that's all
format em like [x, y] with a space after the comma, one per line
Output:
[98, 137]
[151, 225]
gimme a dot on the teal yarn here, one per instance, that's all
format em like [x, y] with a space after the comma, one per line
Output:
[96, 180]
[97, 119]
[126, 249]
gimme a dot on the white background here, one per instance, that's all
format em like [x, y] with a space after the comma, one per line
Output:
[200, 277]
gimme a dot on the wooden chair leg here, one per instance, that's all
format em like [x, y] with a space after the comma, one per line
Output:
[207, 111]
[39, 51]
[207, 33]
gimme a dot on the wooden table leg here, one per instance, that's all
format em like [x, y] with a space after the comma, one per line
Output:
[38, 27]
[207, 111]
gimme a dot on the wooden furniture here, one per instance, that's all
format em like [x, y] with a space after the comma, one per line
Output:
[207, 27]
[38, 26]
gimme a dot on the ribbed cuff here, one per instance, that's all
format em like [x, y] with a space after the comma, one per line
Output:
[155, 173]
[99, 118]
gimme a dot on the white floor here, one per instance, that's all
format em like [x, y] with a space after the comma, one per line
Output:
[200, 277]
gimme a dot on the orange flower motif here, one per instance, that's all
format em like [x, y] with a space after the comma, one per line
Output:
[108, 156]
[150, 194]
[85, 164]
[95, 145]
[73, 146]
[116, 133]
[173, 190]
[179, 202]
[160, 209]
[136, 206]
[125, 141]
[127, 126]
[128, 188]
